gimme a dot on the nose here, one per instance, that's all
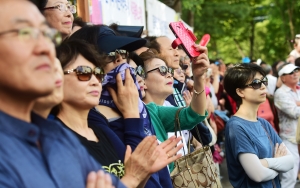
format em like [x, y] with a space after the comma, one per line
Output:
[176, 53]
[94, 81]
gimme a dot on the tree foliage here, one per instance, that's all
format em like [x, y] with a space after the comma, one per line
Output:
[257, 28]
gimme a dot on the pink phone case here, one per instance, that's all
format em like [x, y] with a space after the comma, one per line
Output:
[186, 38]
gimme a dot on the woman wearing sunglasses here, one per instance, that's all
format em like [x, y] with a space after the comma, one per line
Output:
[82, 87]
[254, 152]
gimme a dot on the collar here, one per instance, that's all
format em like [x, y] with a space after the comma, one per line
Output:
[285, 88]
[30, 132]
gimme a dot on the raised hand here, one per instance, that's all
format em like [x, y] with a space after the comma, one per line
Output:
[99, 180]
[167, 153]
[200, 64]
[187, 96]
[126, 97]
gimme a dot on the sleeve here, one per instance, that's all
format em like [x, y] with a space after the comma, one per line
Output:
[133, 132]
[287, 106]
[281, 164]
[188, 118]
[205, 135]
[6, 180]
[254, 169]
[238, 140]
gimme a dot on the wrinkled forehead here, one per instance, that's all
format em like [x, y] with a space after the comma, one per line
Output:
[19, 12]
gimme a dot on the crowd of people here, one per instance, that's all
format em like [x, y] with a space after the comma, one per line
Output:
[86, 105]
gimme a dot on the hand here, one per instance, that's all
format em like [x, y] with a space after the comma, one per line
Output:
[215, 69]
[298, 103]
[280, 150]
[127, 96]
[167, 153]
[200, 64]
[187, 96]
[139, 163]
[99, 180]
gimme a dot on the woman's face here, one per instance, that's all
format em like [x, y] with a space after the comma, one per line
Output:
[156, 83]
[168, 53]
[251, 95]
[81, 94]
[60, 20]
[57, 95]
[179, 75]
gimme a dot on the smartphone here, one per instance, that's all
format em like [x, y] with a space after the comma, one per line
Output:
[186, 39]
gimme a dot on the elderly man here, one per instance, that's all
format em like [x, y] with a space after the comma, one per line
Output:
[35, 152]
[287, 101]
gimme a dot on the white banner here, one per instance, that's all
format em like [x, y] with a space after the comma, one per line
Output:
[159, 16]
[122, 12]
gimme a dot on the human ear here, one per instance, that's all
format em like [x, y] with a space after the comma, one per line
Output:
[240, 92]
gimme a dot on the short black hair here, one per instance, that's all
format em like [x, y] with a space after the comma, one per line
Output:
[152, 43]
[69, 50]
[238, 76]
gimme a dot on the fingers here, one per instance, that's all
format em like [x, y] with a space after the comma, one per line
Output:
[167, 142]
[128, 77]
[145, 144]
[103, 180]
[172, 144]
[201, 48]
[91, 180]
[201, 59]
[127, 153]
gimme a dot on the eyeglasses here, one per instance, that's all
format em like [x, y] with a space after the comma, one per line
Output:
[29, 33]
[294, 71]
[113, 55]
[84, 73]
[140, 71]
[63, 8]
[179, 71]
[256, 84]
[182, 59]
[163, 70]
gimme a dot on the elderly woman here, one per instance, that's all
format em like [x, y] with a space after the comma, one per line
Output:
[58, 13]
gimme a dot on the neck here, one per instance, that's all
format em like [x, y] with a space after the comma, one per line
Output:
[42, 110]
[73, 117]
[16, 106]
[247, 111]
[159, 100]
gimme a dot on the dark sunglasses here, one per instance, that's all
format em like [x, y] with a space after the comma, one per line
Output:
[163, 70]
[84, 73]
[294, 71]
[113, 55]
[139, 71]
[182, 59]
[256, 84]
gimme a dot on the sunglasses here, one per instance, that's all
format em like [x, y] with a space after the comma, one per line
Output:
[84, 73]
[179, 71]
[256, 84]
[294, 71]
[113, 55]
[163, 70]
[182, 59]
[139, 71]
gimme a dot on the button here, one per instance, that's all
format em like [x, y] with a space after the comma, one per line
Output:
[31, 133]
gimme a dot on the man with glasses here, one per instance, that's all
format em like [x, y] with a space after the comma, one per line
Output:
[35, 152]
[287, 101]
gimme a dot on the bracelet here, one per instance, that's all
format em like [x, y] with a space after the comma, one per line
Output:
[198, 93]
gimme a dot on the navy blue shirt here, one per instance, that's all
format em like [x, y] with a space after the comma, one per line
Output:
[128, 131]
[59, 160]
[244, 136]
